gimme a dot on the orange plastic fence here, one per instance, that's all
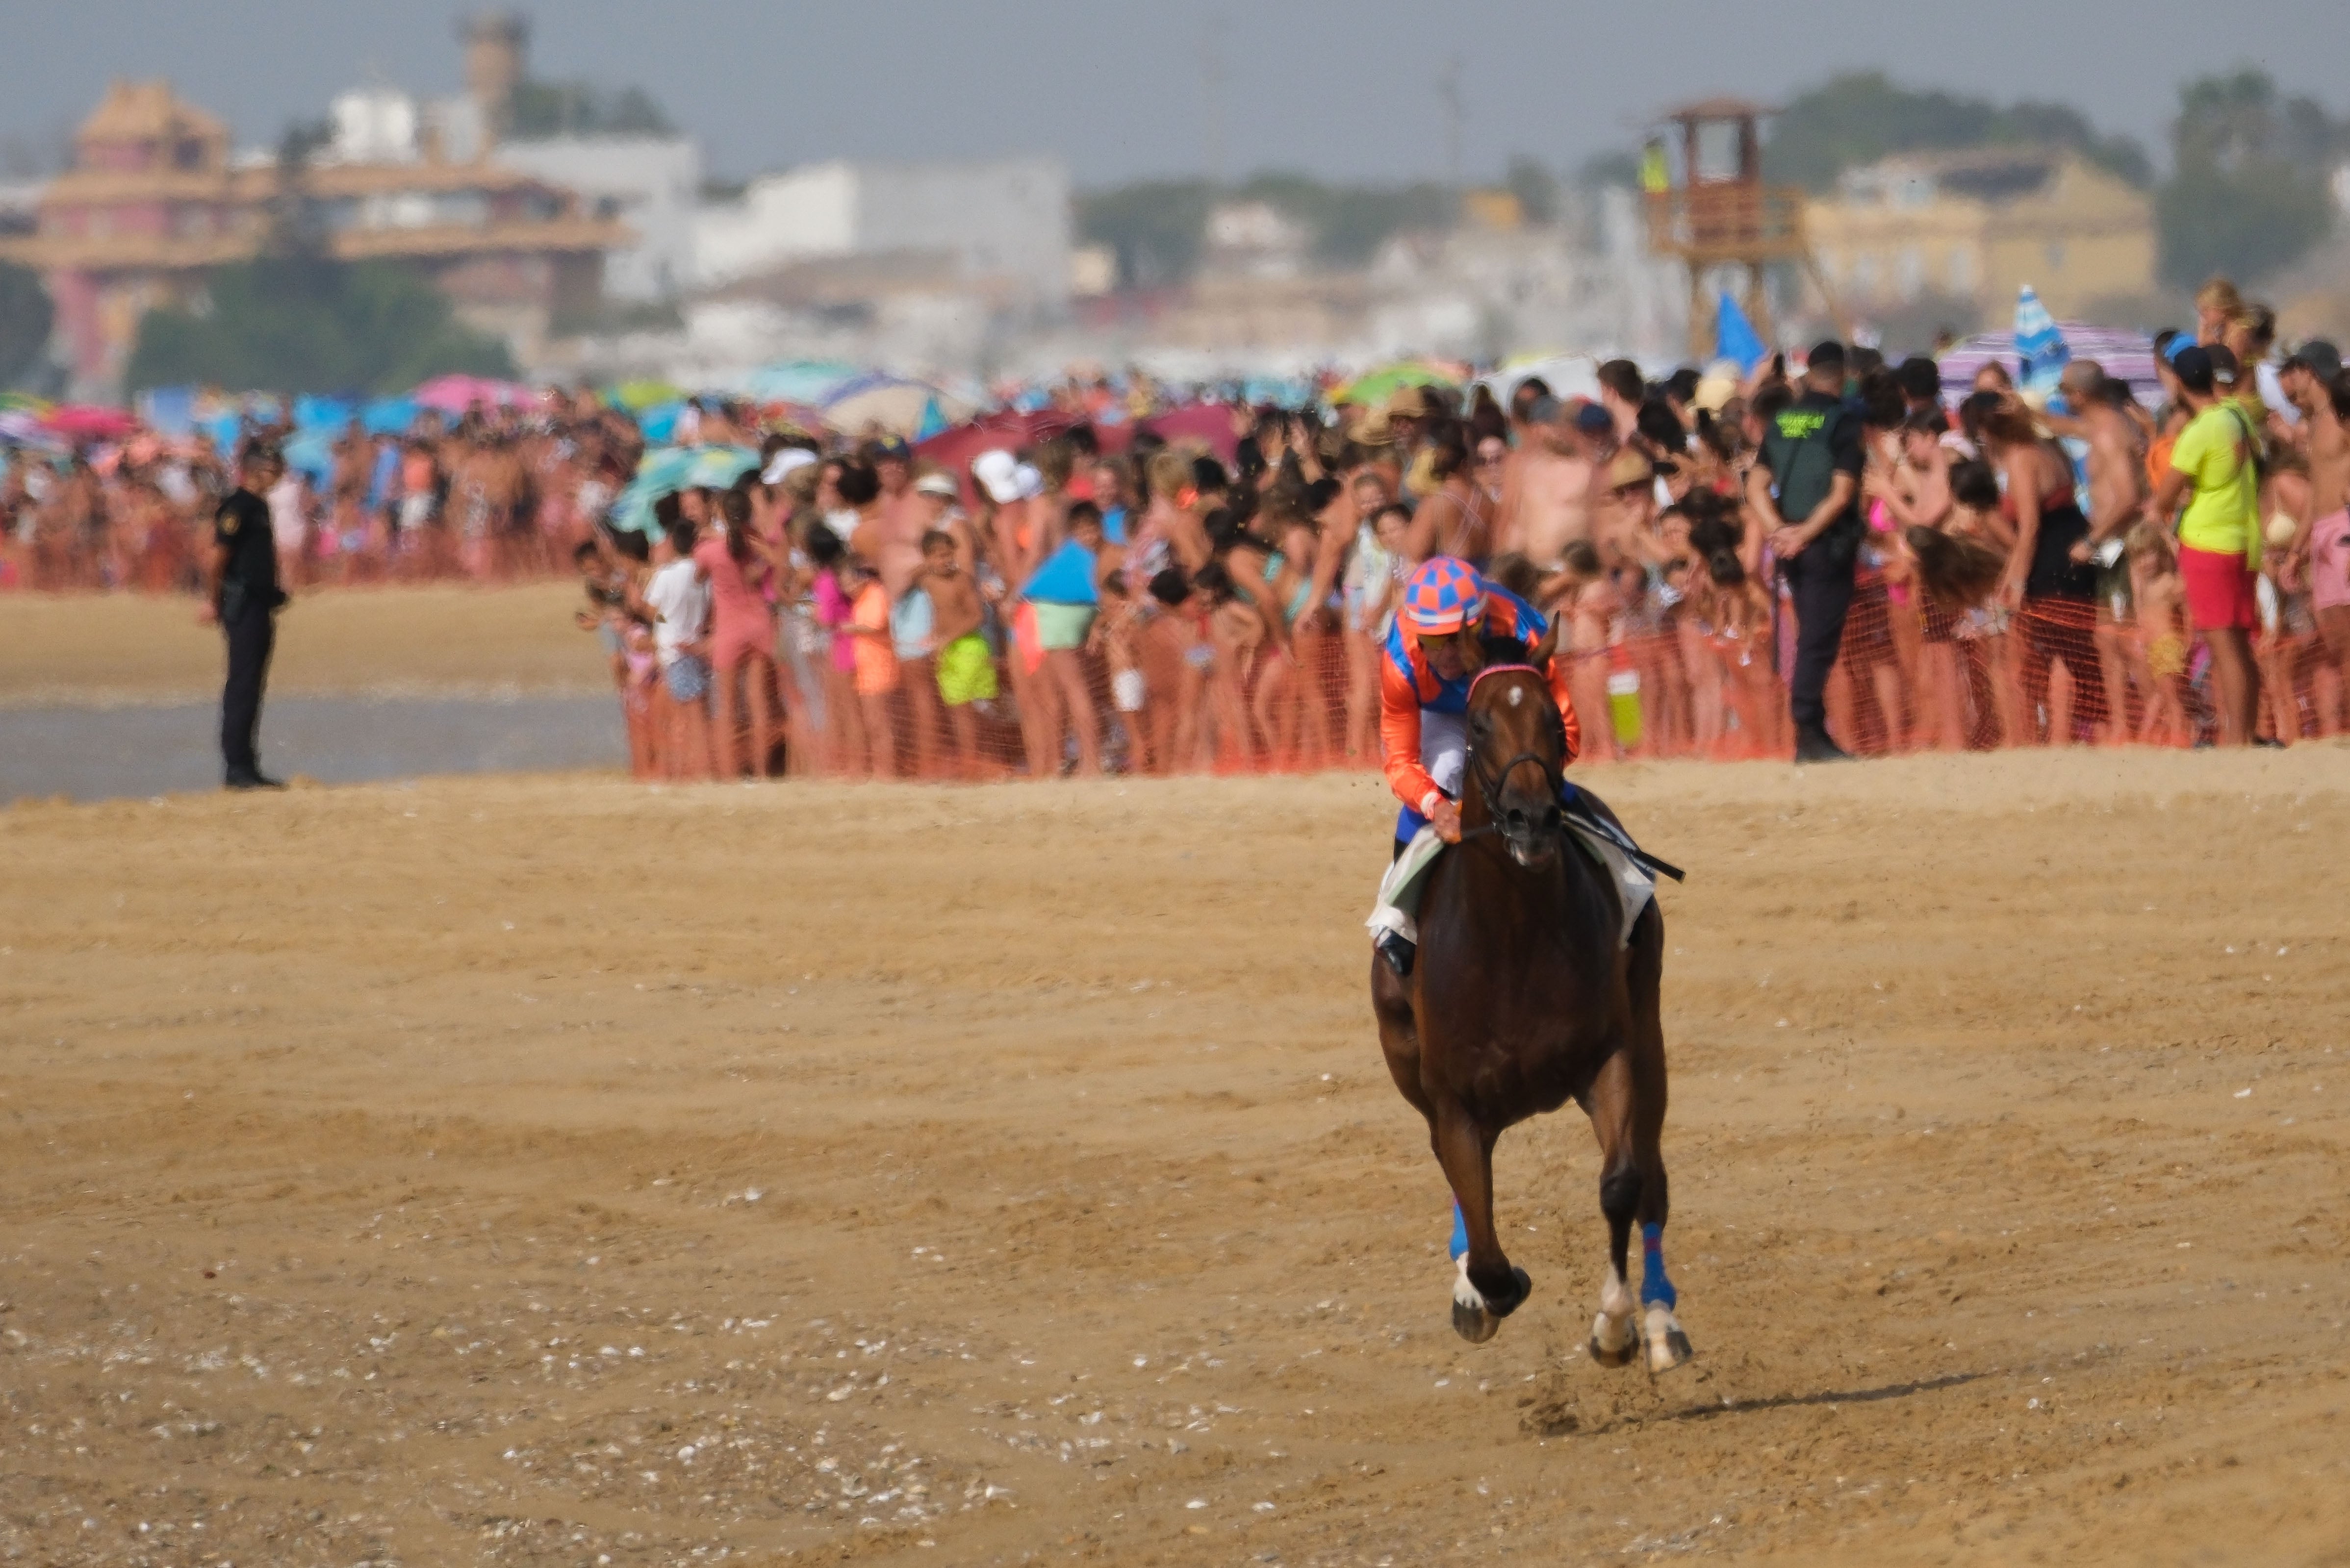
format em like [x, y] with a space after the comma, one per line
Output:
[1908, 677]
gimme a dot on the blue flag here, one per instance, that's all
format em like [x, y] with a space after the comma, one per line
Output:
[1734, 339]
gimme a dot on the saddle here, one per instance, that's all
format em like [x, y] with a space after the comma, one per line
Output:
[1608, 845]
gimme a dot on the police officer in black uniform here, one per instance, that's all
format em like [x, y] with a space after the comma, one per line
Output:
[244, 599]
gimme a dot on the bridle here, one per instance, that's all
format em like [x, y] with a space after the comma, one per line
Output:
[1488, 784]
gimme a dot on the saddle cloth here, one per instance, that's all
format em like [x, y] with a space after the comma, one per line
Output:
[1400, 889]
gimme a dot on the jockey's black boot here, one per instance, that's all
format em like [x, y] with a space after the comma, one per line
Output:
[1397, 952]
[1813, 745]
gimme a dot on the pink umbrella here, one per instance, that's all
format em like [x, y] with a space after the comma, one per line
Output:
[88, 421]
[952, 450]
[456, 394]
[1209, 423]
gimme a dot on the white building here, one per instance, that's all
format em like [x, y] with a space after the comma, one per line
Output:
[374, 125]
[1003, 224]
[652, 184]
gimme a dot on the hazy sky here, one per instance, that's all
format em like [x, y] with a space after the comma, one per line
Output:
[1340, 87]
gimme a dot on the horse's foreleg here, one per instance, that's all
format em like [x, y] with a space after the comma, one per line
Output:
[1610, 1102]
[1486, 1288]
[1660, 1331]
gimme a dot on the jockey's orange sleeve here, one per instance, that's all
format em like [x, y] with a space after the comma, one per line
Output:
[1399, 739]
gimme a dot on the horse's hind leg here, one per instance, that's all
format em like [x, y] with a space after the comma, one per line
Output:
[1660, 1331]
[1614, 1335]
[1487, 1288]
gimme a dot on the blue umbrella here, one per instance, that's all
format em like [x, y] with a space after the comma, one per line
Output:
[718, 467]
[934, 420]
[666, 470]
[312, 411]
[170, 411]
[312, 451]
[811, 381]
[659, 423]
[390, 416]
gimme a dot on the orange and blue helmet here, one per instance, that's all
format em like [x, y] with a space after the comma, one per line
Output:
[1442, 595]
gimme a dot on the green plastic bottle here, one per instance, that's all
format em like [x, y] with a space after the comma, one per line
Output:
[1623, 701]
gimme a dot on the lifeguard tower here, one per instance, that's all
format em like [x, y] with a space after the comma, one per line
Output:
[1722, 214]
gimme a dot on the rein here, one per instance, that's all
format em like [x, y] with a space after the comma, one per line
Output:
[1553, 822]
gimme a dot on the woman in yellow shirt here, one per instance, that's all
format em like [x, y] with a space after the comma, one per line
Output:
[2213, 472]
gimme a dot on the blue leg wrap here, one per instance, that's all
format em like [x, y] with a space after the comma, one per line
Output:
[1459, 1233]
[1656, 1290]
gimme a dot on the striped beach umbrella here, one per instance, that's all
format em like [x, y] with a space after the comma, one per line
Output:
[2127, 355]
[2040, 345]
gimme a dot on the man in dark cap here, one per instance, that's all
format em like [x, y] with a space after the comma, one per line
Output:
[244, 599]
[2306, 376]
[1807, 489]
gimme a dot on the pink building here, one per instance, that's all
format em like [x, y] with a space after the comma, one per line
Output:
[153, 200]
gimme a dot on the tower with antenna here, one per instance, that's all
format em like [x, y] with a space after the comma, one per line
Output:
[1212, 90]
[1448, 93]
[494, 44]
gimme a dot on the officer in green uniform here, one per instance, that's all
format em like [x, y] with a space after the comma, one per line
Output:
[244, 599]
[1805, 486]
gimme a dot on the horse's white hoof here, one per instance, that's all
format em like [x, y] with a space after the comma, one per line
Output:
[1666, 1344]
[1476, 1319]
[1613, 1341]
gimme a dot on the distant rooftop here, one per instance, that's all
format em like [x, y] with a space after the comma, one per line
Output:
[1992, 174]
[148, 111]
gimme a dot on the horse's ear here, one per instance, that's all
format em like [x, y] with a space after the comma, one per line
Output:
[1544, 645]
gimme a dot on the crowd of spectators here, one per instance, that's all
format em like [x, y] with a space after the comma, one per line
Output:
[2019, 575]
[2016, 571]
[491, 494]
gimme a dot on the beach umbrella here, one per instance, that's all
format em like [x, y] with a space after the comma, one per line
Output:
[89, 422]
[1380, 384]
[666, 470]
[2041, 350]
[811, 381]
[313, 410]
[658, 424]
[1282, 391]
[2125, 355]
[168, 410]
[899, 406]
[390, 416]
[1208, 423]
[718, 467]
[1568, 376]
[661, 471]
[789, 416]
[312, 453]
[456, 394]
[632, 396]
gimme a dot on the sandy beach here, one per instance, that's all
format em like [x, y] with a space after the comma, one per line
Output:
[554, 1170]
[110, 649]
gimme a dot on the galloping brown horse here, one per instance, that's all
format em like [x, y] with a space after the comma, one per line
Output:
[1522, 997]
